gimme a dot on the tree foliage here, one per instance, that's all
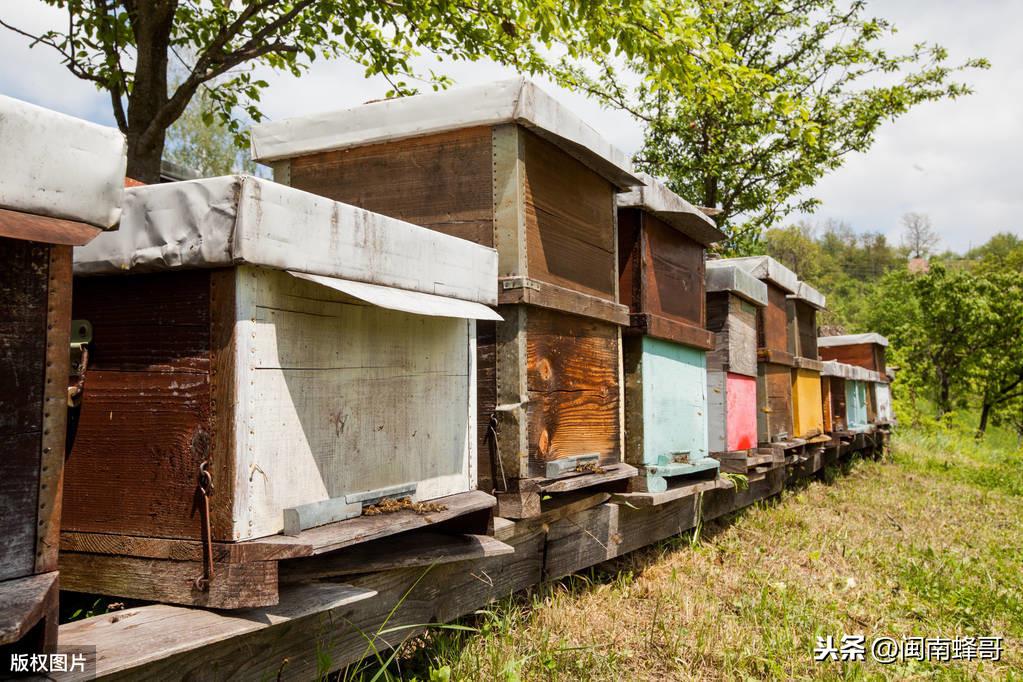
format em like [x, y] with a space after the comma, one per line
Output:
[124, 47]
[817, 83]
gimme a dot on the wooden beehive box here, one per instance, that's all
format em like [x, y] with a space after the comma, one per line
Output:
[883, 396]
[314, 358]
[807, 413]
[734, 298]
[774, 352]
[503, 165]
[662, 241]
[863, 350]
[833, 395]
[60, 188]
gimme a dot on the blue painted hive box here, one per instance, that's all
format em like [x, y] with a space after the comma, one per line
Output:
[661, 244]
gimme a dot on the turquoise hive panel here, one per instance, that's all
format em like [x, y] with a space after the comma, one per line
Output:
[674, 401]
[856, 405]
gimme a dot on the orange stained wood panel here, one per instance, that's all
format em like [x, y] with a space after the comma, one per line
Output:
[574, 387]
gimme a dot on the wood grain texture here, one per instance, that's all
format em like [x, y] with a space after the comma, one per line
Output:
[54, 436]
[233, 586]
[24, 278]
[23, 603]
[574, 387]
[146, 412]
[772, 323]
[569, 221]
[670, 329]
[733, 322]
[521, 290]
[44, 229]
[805, 320]
[417, 548]
[674, 274]
[774, 402]
[868, 355]
[440, 181]
[341, 397]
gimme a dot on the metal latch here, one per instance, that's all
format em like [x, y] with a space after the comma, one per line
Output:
[81, 337]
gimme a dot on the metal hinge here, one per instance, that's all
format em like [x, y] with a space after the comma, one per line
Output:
[81, 336]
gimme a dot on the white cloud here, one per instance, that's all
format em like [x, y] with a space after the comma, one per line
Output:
[959, 162]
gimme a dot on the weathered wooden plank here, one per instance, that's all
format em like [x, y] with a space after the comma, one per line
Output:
[569, 220]
[301, 638]
[151, 641]
[617, 472]
[772, 323]
[554, 509]
[26, 601]
[233, 586]
[674, 492]
[581, 540]
[179, 550]
[671, 330]
[417, 548]
[54, 408]
[24, 304]
[365, 528]
[516, 290]
[44, 229]
[674, 273]
[145, 417]
[774, 402]
[440, 181]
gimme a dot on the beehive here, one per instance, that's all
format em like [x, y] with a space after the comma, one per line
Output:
[315, 356]
[868, 352]
[661, 245]
[807, 413]
[863, 350]
[774, 352]
[60, 185]
[733, 299]
[503, 165]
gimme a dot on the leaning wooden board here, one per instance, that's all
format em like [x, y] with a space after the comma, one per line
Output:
[505, 166]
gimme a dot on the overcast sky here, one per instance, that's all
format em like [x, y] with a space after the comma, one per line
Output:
[960, 162]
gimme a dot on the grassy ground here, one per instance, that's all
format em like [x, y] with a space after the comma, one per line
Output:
[929, 544]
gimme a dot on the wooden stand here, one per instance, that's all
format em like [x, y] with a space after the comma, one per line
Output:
[246, 574]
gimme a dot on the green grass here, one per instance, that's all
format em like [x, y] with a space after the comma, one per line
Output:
[927, 544]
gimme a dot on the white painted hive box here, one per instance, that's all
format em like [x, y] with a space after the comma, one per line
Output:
[346, 349]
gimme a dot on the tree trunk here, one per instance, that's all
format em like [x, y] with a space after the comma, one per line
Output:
[985, 411]
[151, 22]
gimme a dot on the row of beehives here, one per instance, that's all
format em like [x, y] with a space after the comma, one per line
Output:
[440, 298]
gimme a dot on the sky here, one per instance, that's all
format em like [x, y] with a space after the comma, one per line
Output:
[960, 162]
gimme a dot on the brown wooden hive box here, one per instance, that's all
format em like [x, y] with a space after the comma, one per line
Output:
[505, 166]
[312, 399]
[862, 350]
[64, 189]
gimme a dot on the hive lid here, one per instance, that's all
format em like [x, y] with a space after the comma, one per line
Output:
[510, 101]
[655, 197]
[833, 368]
[809, 295]
[723, 275]
[851, 340]
[60, 166]
[768, 269]
[225, 221]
